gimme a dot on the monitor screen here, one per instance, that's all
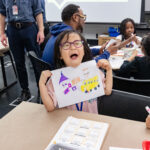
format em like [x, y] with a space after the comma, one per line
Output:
[97, 11]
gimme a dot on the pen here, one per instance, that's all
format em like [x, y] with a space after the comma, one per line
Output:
[147, 109]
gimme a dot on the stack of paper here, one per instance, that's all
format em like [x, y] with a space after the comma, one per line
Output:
[79, 134]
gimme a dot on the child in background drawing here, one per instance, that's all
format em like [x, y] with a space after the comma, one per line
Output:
[71, 49]
[137, 67]
[127, 35]
[148, 121]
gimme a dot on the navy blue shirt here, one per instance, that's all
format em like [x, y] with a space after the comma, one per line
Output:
[27, 10]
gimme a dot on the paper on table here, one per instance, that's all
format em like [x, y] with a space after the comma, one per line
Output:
[119, 148]
[80, 134]
[116, 62]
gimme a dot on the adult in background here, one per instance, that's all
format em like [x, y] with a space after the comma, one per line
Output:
[46, 25]
[73, 18]
[22, 34]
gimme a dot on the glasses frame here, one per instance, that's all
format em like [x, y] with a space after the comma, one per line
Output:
[70, 43]
[82, 16]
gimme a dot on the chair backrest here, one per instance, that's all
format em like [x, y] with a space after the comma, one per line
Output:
[38, 65]
[124, 105]
[132, 85]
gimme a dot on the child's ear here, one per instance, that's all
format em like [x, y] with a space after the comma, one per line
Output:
[61, 57]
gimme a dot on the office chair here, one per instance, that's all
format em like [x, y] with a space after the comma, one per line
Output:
[124, 105]
[137, 86]
[38, 66]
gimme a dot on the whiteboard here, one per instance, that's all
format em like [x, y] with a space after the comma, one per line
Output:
[97, 11]
[147, 5]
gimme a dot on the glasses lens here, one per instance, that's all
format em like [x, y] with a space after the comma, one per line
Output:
[66, 46]
[77, 44]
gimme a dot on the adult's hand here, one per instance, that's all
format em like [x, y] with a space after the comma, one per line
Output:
[113, 47]
[4, 39]
[40, 37]
[101, 50]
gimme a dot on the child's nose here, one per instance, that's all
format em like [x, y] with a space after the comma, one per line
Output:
[72, 46]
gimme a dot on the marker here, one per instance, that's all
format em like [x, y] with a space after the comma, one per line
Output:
[147, 109]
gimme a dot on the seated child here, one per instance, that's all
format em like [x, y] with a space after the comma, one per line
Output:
[71, 49]
[148, 121]
[127, 35]
[137, 67]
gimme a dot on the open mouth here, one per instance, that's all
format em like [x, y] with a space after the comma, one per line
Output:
[74, 56]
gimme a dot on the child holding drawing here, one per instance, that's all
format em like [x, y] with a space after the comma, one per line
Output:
[71, 50]
[127, 37]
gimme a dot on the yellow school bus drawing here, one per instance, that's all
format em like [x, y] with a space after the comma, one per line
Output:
[90, 84]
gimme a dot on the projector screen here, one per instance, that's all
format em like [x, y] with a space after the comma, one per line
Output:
[97, 11]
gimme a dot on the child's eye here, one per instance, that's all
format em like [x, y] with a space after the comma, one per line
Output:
[66, 45]
[78, 43]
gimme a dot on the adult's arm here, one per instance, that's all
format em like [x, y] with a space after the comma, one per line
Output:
[40, 35]
[37, 11]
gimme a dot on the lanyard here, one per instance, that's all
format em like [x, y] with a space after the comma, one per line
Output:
[80, 106]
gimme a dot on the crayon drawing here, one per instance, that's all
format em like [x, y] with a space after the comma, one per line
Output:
[73, 85]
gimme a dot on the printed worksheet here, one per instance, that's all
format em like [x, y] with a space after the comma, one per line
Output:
[74, 85]
[79, 134]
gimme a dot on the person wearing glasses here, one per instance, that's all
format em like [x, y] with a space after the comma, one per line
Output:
[73, 18]
[71, 50]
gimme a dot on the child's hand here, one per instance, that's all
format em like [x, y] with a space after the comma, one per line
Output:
[104, 64]
[132, 37]
[44, 76]
[148, 121]
[133, 55]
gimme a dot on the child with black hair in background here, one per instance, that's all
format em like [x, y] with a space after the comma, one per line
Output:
[127, 37]
[137, 67]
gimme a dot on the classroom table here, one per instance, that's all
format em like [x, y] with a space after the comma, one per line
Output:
[116, 60]
[30, 127]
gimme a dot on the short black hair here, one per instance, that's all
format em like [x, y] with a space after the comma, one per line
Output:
[123, 26]
[59, 63]
[68, 12]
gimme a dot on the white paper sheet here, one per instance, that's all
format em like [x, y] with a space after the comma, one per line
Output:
[119, 148]
[74, 85]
